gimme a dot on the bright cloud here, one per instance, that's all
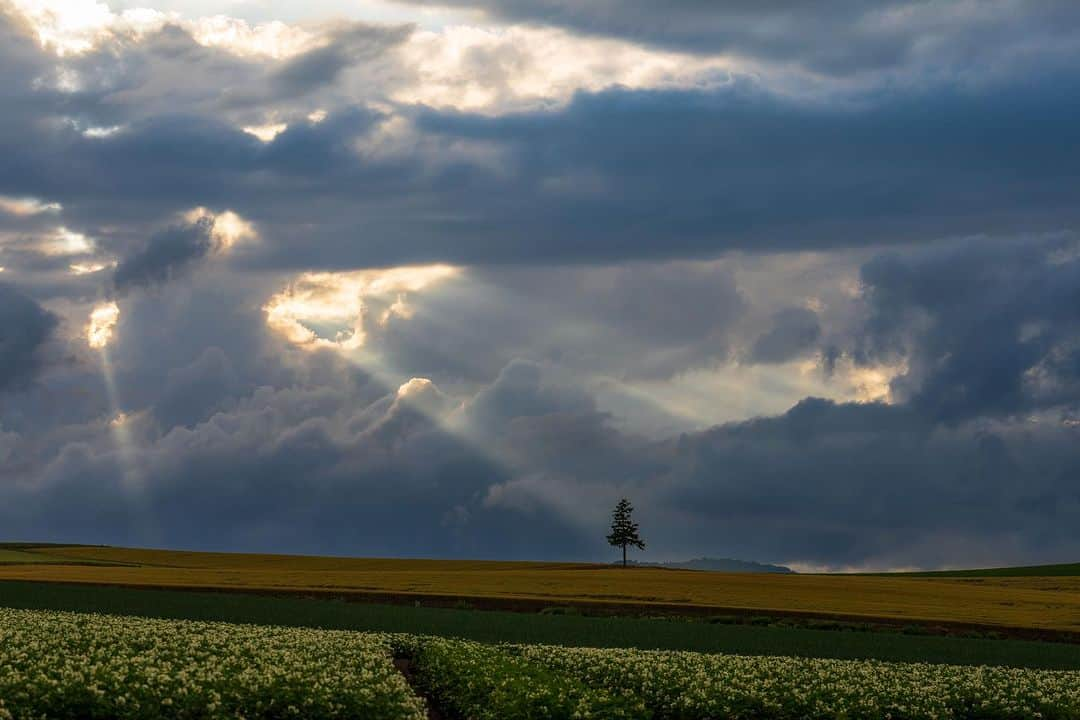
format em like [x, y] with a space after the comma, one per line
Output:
[273, 39]
[66, 242]
[267, 132]
[72, 27]
[88, 268]
[469, 67]
[68, 27]
[26, 206]
[328, 309]
[480, 68]
[103, 319]
[873, 384]
[228, 229]
[733, 392]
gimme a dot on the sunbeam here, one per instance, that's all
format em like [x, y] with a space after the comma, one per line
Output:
[100, 333]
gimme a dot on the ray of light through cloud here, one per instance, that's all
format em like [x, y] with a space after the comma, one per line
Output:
[99, 335]
[470, 272]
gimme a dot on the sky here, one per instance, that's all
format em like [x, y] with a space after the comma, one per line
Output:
[411, 279]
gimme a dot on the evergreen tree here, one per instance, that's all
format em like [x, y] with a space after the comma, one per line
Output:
[624, 531]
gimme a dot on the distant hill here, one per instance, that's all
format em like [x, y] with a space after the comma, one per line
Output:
[728, 565]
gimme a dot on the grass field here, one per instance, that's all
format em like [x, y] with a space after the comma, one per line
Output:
[582, 631]
[1039, 602]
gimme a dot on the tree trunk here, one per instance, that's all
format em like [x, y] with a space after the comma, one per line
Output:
[624, 556]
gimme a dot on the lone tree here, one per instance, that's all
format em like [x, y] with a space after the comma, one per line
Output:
[624, 531]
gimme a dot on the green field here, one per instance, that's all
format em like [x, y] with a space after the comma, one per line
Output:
[494, 626]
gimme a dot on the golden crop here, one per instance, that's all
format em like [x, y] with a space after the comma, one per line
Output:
[1045, 603]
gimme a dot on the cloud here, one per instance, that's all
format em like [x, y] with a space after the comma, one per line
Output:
[334, 462]
[876, 485]
[453, 293]
[25, 327]
[75, 27]
[794, 331]
[24, 206]
[635, 321]
[518, 392]
[987, 327]
[102, 324]
[842, 39]
[612, 175]
[283, 468]
[321, 66]
[342, 306]
[165, 255]
[193, 392]
[495, 70]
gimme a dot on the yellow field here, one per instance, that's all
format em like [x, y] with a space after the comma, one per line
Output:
[1031, 602]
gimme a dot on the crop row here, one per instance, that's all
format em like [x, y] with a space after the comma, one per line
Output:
[481, 682]
[682, 685]
[536, 681]
[65, 665]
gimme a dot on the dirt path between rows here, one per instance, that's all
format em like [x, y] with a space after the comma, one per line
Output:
[404, 666]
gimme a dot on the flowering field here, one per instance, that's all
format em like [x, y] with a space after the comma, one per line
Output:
[693, 685]
[65, 665]
[481, 681]
[69, 665]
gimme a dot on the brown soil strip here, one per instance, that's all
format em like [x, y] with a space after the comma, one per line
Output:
[404, 666]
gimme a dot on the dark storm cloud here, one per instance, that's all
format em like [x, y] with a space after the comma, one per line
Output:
[520, 392]
[838, 38]
[166, 254]
[195, 391]
[339, 464]
[549, 425]
[25, 327]
[194, 347]
[793, 332]
[283, 470]
[615, 174]
[825, 483]
[988, 327]
[322, 66]
[877, 485]
[841, 177]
